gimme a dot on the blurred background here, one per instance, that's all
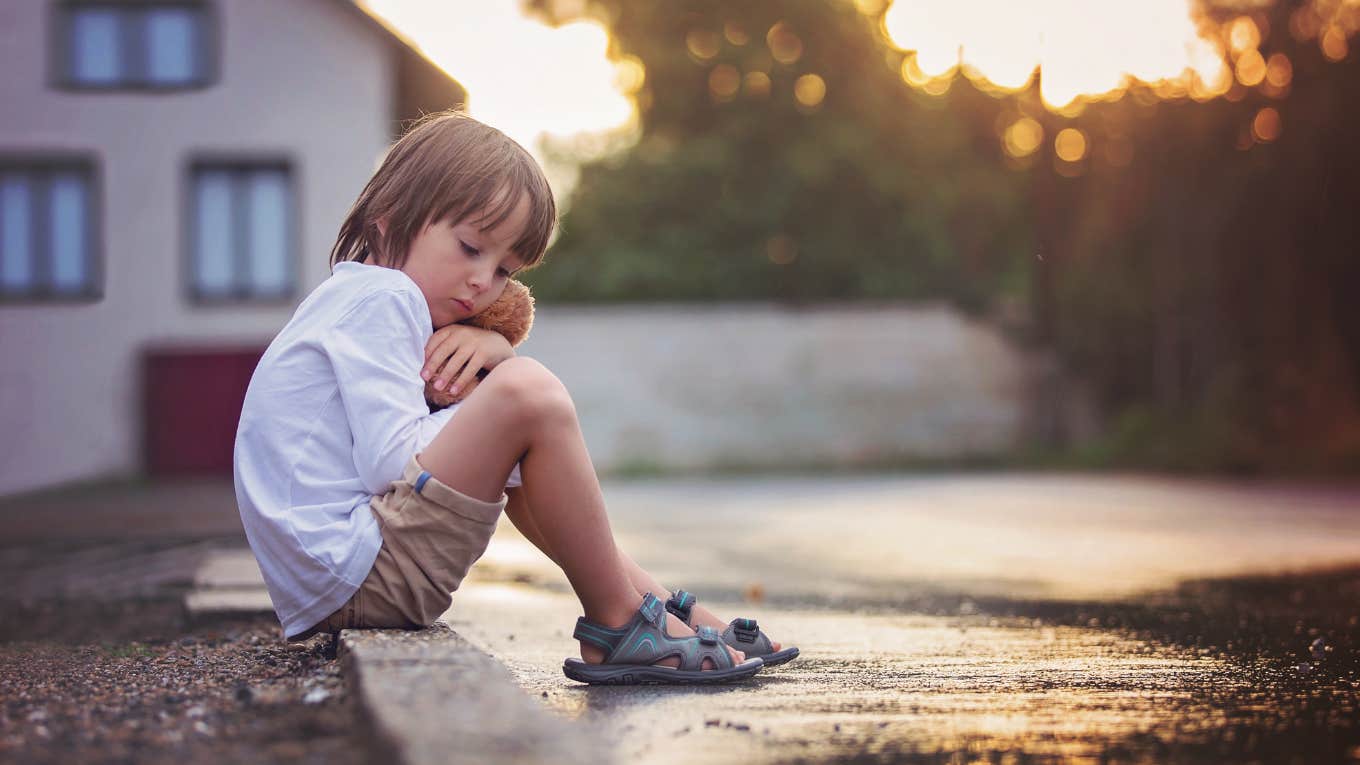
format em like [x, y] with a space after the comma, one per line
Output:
[796, 235]
[1004, 356]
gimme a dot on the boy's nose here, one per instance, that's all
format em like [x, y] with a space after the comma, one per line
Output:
[478, 281]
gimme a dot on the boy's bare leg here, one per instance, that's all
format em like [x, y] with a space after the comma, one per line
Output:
[517, 511]
[522, 413]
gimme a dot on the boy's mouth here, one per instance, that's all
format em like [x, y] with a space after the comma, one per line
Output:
[465, 304]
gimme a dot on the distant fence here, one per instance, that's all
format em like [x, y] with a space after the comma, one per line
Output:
[757, 386]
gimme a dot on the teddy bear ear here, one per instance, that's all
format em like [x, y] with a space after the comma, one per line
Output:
[512, 314]
[518, 321]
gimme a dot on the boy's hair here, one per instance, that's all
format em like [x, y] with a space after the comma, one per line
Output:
[448, 165]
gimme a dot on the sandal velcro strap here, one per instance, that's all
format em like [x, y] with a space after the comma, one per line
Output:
[746, 630]
[709, 636]
[651, 607]
[745, 636]
[681, 604]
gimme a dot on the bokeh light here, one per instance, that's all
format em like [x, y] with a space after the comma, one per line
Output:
[724, 82]
[1251, 68]
[1243, 34]
[631, 75]
[702, 43]
[1266, 126]
[785, 45]
[1023, 137]
[912, 73]
[1279, 71]
[735, 34]
[1334, 45]
[1070, 145]
[757, 84]
[940, 85]
[809, 89]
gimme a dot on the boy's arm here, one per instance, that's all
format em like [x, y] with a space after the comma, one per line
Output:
[376, 351]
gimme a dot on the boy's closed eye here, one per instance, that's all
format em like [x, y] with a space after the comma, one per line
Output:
[473, 252]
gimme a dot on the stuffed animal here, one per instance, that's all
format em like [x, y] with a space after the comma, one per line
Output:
[512, 315]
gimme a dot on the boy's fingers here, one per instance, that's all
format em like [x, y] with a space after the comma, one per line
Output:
[456, 362]
[444, 340]
[437, 355]
[469, 374]
[437, 339]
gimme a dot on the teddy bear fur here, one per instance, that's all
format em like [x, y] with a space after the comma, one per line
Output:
[512, 315]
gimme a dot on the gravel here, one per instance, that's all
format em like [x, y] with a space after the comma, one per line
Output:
[231, 692]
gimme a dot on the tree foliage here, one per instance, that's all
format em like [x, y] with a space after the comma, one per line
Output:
[875, 192]
[1205, 284]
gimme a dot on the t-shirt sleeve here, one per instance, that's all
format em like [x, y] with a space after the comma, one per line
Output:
[377, 350]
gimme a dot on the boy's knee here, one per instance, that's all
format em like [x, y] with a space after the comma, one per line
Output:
[529, 388]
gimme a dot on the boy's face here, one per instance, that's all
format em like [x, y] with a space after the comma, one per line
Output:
[460, 268]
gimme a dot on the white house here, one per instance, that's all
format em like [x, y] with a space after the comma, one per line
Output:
[172, 176]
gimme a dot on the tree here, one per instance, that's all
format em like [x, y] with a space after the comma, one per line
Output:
[781, 157]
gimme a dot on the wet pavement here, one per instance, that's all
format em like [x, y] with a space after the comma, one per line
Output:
[965, 618]
[881, 686]
[1021, 619]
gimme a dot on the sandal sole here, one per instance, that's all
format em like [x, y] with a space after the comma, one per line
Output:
[638, 674]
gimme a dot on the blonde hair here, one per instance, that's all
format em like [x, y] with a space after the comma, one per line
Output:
[448, 165]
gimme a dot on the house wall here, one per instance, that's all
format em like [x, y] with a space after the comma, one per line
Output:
[303, 79]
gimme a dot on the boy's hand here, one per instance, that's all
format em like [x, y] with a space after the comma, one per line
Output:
[466, 350]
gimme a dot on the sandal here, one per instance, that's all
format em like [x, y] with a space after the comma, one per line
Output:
[633, 650]
[742, 634]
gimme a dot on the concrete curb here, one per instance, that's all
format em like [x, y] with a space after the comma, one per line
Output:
[430, 696]
[227, 584]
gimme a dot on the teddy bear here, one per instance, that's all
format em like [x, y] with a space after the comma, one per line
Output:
[512, 315]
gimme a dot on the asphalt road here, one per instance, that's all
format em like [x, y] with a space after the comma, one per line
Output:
[975, 618]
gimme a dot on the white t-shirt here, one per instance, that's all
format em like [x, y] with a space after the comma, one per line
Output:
[334, 411]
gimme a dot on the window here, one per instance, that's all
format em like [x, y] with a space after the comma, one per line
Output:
[131, 44]
[47, 230]
[243, 231]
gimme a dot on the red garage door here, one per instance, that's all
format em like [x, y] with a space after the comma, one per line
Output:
[191, 404]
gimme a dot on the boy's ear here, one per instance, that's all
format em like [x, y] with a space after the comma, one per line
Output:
[381, 223]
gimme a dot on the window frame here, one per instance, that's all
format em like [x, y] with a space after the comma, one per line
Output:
[50, 163]
[240, 295]
[61, 77]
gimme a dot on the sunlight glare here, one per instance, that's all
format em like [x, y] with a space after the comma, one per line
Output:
[528, 79]
[1084, 49]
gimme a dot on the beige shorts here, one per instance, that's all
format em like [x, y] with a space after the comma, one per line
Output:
[432, 534]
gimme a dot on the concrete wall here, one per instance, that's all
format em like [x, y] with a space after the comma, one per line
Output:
[759, 386]
[305, 79]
